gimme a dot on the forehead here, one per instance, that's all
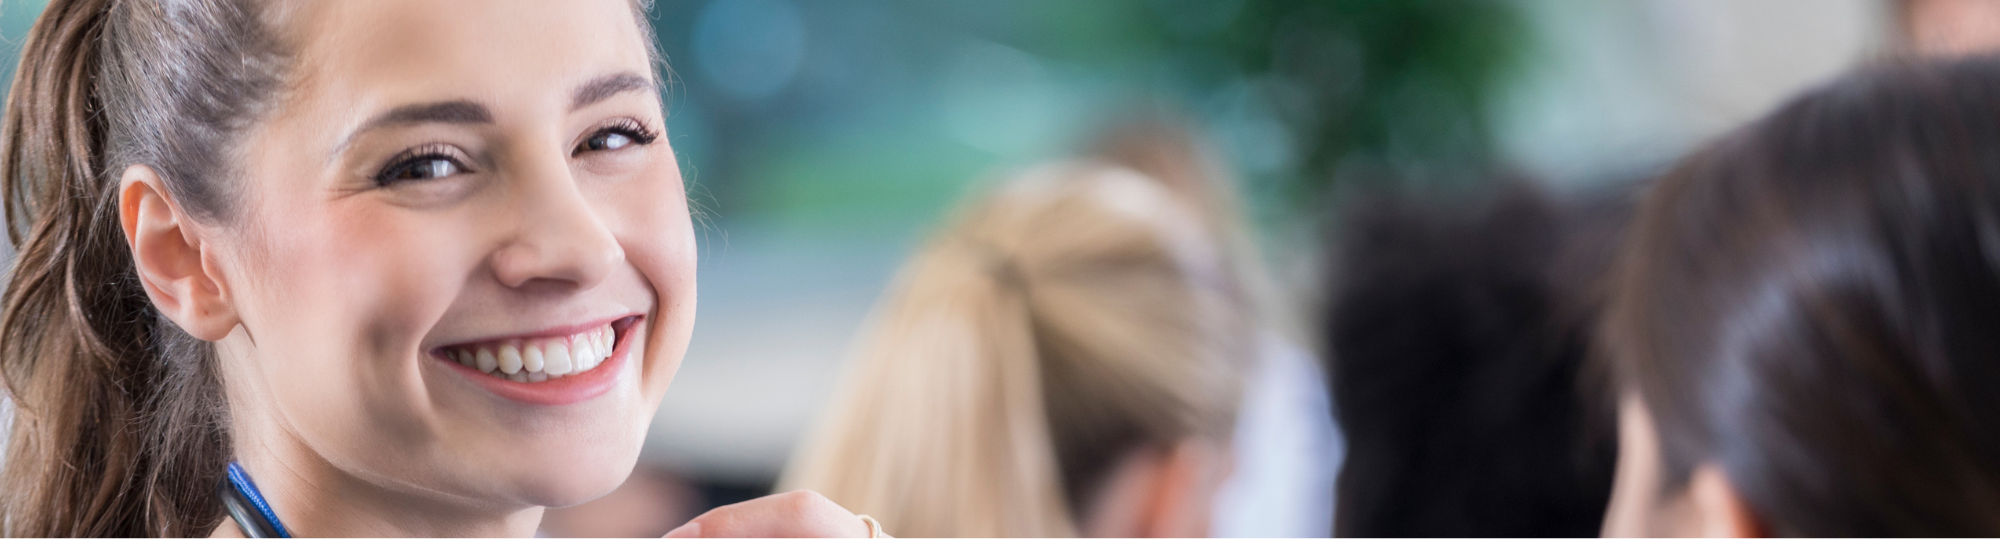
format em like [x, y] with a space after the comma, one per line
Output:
[372, 54]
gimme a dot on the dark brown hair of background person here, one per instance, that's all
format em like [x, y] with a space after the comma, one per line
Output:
[119, 428]
[1813, 305]
[1458, 330]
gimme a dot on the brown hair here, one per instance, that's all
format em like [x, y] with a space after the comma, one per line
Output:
[1459, 328]
[120, 426]
[1075, 315]
[1812, 303]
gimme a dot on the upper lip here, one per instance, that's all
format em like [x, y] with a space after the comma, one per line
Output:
[554, 331]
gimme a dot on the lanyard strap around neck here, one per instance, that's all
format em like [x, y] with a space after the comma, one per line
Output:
[247, 506]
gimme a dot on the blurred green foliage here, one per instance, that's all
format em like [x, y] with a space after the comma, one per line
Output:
[1369, 89]
[1372, 84]
[1301, 95]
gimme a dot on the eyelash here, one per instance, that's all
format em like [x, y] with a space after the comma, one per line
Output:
[407, 161]
[629, 128]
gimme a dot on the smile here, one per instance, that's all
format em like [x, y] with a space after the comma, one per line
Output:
[538, 359]
[556, 367]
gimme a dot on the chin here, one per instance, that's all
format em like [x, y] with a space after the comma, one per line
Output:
[563, 467]
[572, 483]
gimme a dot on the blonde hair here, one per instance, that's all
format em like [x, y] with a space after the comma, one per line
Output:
[1074, 314]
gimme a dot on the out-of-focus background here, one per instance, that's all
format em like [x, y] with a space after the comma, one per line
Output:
[823, 139]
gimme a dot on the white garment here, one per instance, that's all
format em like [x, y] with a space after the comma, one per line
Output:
[1287, 450]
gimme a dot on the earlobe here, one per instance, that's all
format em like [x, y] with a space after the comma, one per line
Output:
[1183, 487]
[1719, 509]
[1159, 492]
[170, 258]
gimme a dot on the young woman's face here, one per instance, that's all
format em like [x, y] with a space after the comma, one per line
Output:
[450, 189]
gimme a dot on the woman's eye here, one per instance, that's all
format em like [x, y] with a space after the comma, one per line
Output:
[618, 136]
[609, 140]
[420, 168]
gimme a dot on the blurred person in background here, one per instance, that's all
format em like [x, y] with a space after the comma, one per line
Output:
[1802, 322]
[1459, 332]
[1287, 450]
[1065, 358]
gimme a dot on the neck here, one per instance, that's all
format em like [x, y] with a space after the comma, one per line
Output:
[314, 498]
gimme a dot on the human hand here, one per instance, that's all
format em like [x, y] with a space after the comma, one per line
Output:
[799, 513]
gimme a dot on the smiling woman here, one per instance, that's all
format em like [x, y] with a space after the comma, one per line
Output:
[341, 268]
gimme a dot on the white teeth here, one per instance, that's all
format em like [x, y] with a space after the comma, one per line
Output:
[531, 358]
[556, 360]
[510, 359]
[485, 360]
[537, 360]
[607, 342]
[584, 355]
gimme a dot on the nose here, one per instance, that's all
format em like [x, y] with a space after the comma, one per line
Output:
[559, 241]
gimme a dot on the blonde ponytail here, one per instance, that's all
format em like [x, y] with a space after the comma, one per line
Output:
[1062, 322]
[968, 377]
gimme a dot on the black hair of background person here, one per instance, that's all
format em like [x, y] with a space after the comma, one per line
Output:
[1458, 331]
[1855, 234]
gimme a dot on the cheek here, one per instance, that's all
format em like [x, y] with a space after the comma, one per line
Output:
[347, 291]
[375, 275]
[651, 219]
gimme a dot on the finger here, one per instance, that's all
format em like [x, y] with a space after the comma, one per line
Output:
[691, 529]
[792, 514]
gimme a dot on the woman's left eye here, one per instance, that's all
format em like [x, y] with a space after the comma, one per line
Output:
[607, 141]
[420, 164]
[617, 136]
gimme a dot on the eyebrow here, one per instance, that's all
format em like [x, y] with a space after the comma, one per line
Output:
[465, 111]
[604, 87]
[457, 111]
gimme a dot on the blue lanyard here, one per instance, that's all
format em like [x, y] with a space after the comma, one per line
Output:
[247, 506]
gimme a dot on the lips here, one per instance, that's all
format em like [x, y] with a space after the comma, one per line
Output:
[554, 367]
[539, 359]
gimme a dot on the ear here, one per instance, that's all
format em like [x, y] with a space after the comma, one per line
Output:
[1159, 491]
[172, 262]
[1184, 495]
[1718, 509]
[1124, 505]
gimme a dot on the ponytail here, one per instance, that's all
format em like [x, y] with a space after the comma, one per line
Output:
[967, 382]
[119, 426]
[1036, 342]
